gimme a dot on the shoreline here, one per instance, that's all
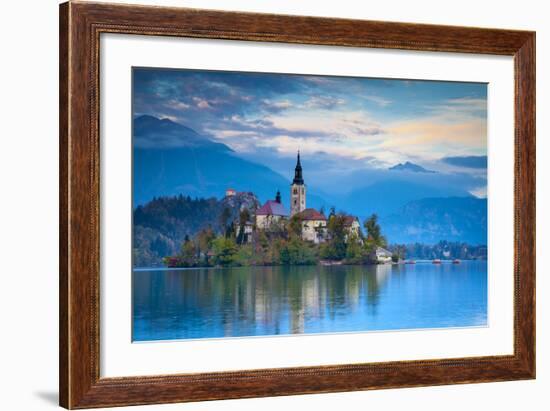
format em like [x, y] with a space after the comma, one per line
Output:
[333, 264]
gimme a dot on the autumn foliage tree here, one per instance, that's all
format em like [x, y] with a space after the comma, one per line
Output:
[374, 233]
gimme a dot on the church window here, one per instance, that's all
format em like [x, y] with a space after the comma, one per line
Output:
[295, 191]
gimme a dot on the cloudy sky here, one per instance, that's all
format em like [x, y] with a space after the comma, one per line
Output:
[346, 124]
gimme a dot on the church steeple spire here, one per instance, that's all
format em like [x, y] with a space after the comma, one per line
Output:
[298, 178]
[297, 190]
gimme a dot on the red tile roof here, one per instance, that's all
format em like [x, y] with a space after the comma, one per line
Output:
[272, 207]
[349, 220]
[311, 214]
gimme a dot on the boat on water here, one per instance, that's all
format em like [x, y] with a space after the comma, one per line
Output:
[410, 262]
[456, 261]
[330, 262]
[436, 261]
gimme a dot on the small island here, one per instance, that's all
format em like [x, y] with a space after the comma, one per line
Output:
[248, 234]
[270, 235]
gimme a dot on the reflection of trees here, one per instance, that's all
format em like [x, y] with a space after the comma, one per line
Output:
[376, 278]
[255, 300]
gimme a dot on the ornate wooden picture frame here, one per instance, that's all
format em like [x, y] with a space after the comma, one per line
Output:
[81, 25]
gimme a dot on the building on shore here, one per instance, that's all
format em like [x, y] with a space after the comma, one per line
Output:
[248, 231]
[383, 255]
[272, 214]
[352, 226]
[314, 225]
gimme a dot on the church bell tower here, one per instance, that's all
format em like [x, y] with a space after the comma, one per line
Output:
[297, 190]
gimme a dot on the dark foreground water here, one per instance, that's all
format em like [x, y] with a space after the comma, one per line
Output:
[251, 301]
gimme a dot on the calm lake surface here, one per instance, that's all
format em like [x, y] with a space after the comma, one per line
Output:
[253, 301]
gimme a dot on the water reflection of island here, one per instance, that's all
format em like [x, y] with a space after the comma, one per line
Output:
[281, 299]
[245, 301]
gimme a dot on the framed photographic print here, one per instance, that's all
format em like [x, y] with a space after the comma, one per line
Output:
[258, 205]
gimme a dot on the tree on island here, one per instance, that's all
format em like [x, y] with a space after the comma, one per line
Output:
[398, 253]
[205, 237]
[224, 219]
[244, 217]
[295, 226]
[355, 252]
[188, 252]
[297, 252]
[374, 233]
[335, 247]
[230, 231]
[288, 247]
[224, 249]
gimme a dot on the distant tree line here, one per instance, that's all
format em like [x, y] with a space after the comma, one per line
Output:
[442, 250]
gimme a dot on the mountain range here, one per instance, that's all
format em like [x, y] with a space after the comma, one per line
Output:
[387, 197]
[408, 166]
[193, 165]
[431, 220]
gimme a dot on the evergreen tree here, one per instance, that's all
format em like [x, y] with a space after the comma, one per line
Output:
[374, 233]
[295, 226]
[354, 251]
[224, 250]
[204, 239]
[244, 217]
[224, 219]
[297, 252]
[284, 253]
[230, 230]
[188, 252]
[335, 247]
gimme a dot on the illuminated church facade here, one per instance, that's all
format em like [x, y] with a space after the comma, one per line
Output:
[273, 213]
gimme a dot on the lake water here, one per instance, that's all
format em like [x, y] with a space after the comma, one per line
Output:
[255, 301]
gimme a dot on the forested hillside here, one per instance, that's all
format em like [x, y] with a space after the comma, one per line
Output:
[161, 225]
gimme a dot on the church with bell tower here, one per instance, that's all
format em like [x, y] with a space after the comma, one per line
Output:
[297, 190]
